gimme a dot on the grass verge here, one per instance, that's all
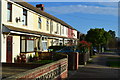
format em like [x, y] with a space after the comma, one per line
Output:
[114, 58]
[113, 64]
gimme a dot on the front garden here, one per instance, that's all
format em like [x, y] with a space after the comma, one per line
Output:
[40, 58]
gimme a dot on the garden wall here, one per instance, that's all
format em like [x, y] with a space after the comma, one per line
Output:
[52, 71]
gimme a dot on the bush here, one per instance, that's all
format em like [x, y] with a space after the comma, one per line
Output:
[84, 46]
[57, 56]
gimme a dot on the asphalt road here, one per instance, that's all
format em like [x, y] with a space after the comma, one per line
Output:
[97, 70]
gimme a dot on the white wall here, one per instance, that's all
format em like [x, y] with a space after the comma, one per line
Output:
[3, 54]
[32, 22]
[16, 47]
[17, 11]
[0, 31]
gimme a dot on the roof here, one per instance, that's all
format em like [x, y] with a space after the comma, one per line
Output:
[8, 29]
[31, 7]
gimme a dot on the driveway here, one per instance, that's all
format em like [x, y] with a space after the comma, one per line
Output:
[97, 70]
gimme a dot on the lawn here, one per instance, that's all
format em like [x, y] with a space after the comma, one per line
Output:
[113, 64]
[42, 61]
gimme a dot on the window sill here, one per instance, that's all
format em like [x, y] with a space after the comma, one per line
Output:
[9, 21]
[24, 25]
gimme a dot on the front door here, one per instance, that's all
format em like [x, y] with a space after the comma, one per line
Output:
[9, 49]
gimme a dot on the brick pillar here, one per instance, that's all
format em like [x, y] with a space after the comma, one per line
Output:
[73, 60]
[76, 60]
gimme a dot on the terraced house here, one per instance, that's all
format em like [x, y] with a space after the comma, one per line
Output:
[25, 28]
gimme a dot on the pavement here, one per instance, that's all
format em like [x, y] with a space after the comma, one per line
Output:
[97, 69]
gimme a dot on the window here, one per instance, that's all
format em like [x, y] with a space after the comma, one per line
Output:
[44, 43]
[66, 31]
[44, 46]
[47, 24]
[39, 23]
[27, 44]
[57, 29]
[9, 12]
[24, 17]
[51, 26]
[60, 29]
[63, 30]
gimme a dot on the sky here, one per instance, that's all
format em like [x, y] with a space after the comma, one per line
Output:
[85, 15]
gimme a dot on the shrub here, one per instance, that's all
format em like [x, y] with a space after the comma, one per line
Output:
[84, 46]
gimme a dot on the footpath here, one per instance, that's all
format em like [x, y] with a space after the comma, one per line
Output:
[98, 69]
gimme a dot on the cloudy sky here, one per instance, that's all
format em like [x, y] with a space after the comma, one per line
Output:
[85, 15]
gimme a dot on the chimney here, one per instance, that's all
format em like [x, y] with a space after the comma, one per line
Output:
[40, 6]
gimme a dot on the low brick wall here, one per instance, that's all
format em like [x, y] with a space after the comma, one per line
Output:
[53, 71]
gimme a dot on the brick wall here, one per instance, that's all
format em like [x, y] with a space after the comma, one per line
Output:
[56, 70]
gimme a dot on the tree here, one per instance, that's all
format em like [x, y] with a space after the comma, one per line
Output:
[108, 38]
[112, 42]
[82, 37]
[97, 37]
[112, 33]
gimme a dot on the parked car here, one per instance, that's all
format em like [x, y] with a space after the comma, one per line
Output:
[69, 49]
[95, 51]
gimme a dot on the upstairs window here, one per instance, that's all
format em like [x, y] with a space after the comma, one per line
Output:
[9, 12]
[57, 29]
[47, 24]
[39, 23]
[63, 30]
[24, 17]
[51, 25]
[66, 31]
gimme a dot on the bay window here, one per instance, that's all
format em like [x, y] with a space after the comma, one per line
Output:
[44, 44]
[27, 44]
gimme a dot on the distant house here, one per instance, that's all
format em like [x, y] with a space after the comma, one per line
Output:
[25, 28]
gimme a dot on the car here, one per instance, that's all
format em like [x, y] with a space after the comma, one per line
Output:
[95, 50]
[69, 49]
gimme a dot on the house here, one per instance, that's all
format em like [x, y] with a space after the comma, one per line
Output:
[26, 29]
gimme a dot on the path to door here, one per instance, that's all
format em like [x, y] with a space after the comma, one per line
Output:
[97, 69]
